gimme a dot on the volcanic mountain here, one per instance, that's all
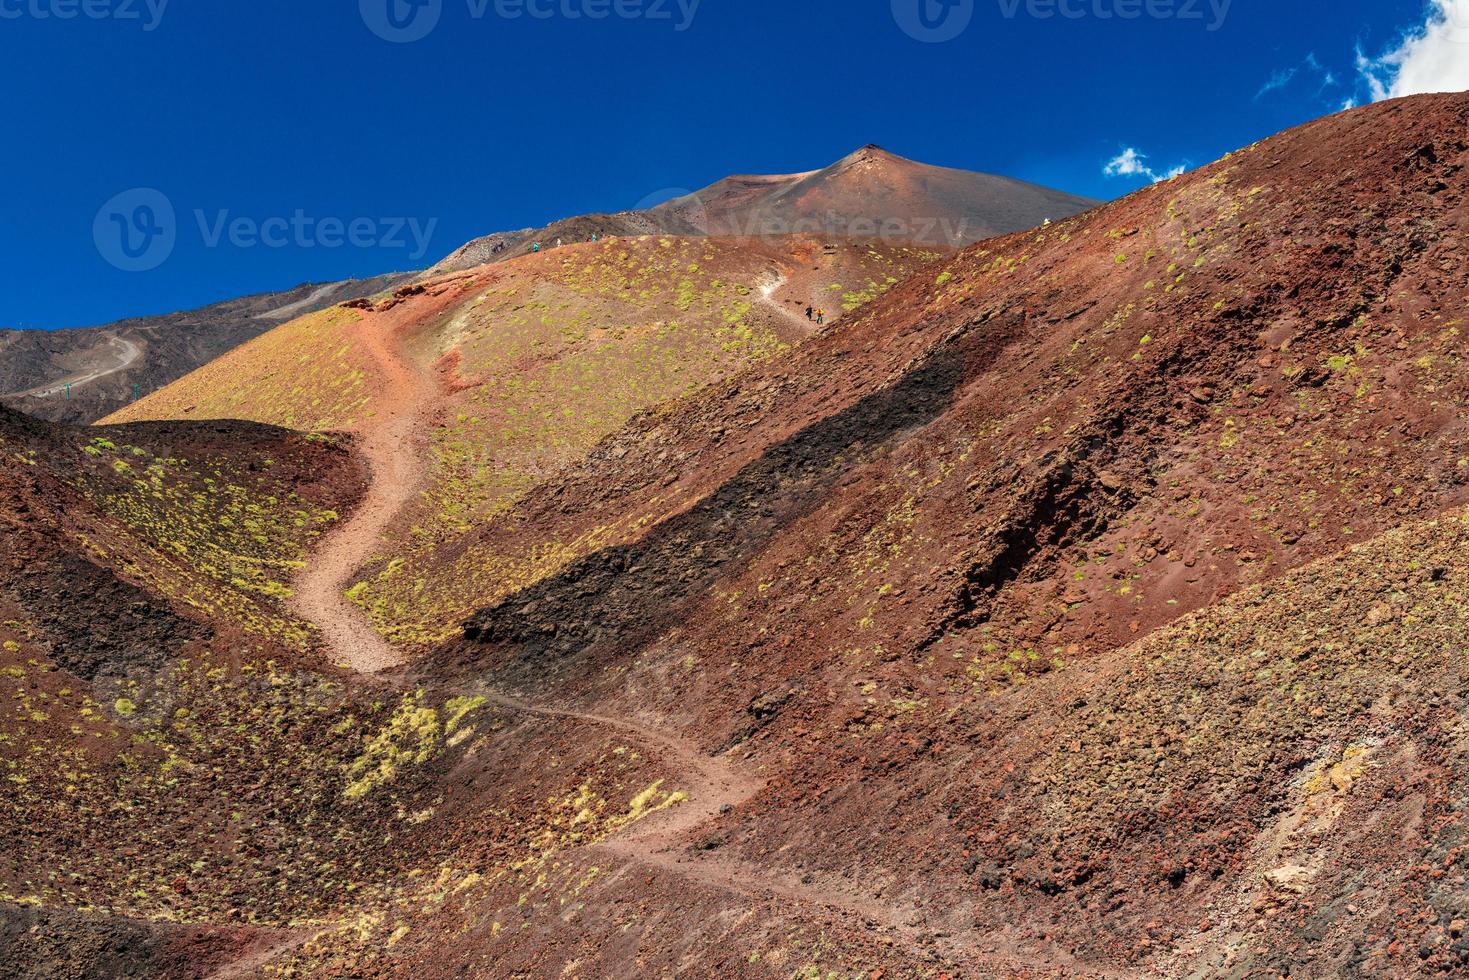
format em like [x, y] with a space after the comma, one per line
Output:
[1087, 603]
[82, 374]
[872, 192]
[869, 193]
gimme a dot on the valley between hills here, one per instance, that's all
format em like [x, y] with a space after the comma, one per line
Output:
[1085, 600]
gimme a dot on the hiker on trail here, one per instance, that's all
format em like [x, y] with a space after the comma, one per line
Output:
[810, 311]
[820, 317]
[536, 247]
[558, 243]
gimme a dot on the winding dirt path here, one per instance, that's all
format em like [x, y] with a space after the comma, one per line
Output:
[714, 785]
[395, 444]
[711, 782]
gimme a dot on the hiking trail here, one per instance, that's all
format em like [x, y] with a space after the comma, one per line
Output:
[395, 444]
[767, 296]
[714, 785]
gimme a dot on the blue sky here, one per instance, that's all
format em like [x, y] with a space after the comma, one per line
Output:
[299, 112]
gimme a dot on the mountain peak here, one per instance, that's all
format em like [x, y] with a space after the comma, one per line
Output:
[870, 152]
[869, 188]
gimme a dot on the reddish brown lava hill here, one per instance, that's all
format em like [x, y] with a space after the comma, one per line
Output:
[1092, 604]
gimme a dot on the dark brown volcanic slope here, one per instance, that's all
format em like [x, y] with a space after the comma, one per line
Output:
[1091, 605]
[1004, 587]
[104, 363]
[869, 194]
[161, 747]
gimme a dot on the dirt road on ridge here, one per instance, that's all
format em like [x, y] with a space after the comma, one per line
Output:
[127, 354]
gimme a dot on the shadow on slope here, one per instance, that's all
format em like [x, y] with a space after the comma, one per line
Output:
[623, 595]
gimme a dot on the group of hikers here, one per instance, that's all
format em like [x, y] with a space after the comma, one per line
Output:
[596, 237]
[813, 313]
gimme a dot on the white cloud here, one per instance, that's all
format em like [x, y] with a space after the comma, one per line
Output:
[1125, 164]
[1277, 81]
[1430, 58]
[1311, 67]
[1131, 163]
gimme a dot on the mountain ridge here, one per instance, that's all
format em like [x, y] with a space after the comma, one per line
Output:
[871, 192]
[1089, 602]
[103, 363]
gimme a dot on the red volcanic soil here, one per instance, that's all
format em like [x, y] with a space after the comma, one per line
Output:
[1091, 604]
[95, 523]
[913, 563]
